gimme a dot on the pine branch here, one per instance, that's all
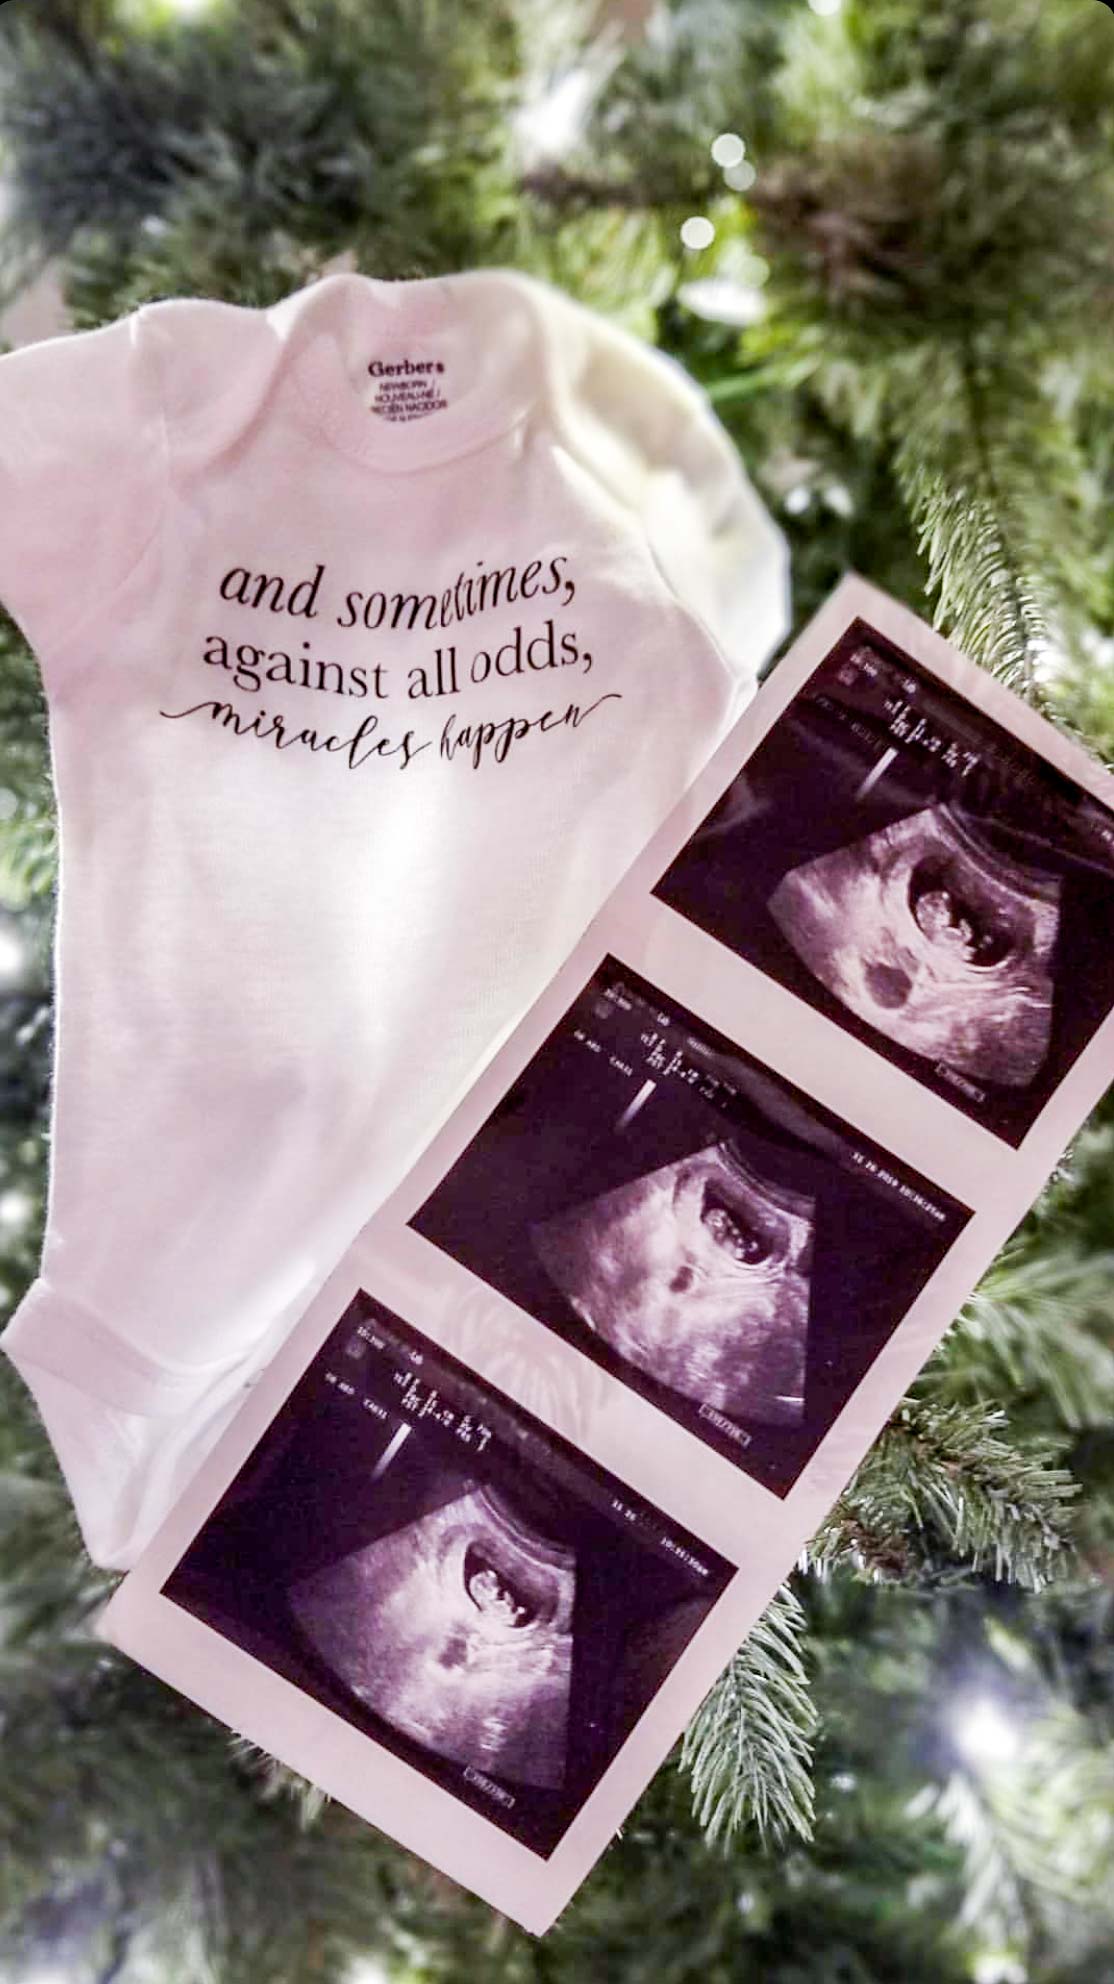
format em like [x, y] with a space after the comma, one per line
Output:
[995, 488]
[328, 125]
[1037, 1831]
[935, 262]
[943, 1496]
[995, 1897]
[278, 1780]
[749, 1748]
[1028, 1330]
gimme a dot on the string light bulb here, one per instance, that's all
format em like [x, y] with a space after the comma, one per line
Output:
[983, 1733]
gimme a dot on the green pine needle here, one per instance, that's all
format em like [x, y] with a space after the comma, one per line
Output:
[944, 1495]
[748, 1750]
[995, 488]
[1038, 1326]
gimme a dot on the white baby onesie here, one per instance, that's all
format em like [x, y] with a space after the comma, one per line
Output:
[379, 630]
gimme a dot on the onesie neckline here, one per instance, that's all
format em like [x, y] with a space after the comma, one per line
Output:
[407, 307]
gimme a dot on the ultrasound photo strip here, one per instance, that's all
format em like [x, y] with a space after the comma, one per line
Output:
[698, 1223]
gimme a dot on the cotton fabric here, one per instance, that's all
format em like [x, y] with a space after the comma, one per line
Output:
[379, 630]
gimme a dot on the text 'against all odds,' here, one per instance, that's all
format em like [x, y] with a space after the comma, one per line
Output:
[538, 647]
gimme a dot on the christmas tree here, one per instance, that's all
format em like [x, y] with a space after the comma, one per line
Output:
[881, 236]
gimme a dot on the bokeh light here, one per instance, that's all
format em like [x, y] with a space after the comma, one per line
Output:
[984, 1733]
[728, 149]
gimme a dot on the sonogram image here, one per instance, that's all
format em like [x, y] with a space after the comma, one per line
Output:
[457, 1630]
[462, 1587]
[934, 937]
[911, 870]
[698, 1273]
[690, 1221]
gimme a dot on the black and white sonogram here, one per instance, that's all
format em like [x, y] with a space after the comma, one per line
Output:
[469, 1596]
[430, 1562]
[698, 1273]
[909, 868]
[692, 1223]
[936, 939]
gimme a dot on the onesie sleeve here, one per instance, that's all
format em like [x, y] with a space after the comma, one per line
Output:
[82, 478]
[715, 540]
[649, 432]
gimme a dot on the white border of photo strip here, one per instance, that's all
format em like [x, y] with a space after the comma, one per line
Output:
[756, 1530]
